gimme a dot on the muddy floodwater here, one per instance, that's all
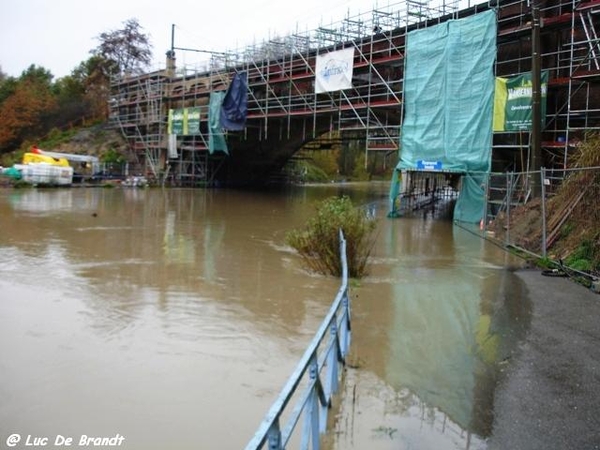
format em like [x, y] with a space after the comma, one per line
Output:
[172, 318]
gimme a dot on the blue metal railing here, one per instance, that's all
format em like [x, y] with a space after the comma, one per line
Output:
[314, 381]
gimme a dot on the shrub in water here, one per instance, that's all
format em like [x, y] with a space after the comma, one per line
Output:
[319, 245]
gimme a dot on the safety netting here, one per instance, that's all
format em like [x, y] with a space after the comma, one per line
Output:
[448, 106]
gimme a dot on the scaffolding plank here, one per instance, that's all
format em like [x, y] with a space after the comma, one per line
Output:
[587, 5]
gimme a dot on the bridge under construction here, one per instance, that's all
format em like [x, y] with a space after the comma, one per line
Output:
[166, 116]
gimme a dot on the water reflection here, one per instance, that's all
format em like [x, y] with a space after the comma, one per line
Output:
[448, 313]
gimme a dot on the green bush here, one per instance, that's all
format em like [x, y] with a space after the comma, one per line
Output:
[583, 256]
[318, 243]
[112, 156]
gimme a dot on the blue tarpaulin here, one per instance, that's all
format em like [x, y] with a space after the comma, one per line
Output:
[235, 104]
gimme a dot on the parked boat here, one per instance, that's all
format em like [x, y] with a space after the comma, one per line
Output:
[45, 174]
[40, 167]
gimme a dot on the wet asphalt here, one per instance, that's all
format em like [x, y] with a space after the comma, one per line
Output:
[549, 396]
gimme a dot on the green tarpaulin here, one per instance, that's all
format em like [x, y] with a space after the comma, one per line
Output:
[12, 172]
[216, 138]
[448, 101]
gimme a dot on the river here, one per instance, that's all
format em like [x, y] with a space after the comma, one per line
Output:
[173, 317]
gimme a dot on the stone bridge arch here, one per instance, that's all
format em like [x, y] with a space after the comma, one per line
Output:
[255, 157]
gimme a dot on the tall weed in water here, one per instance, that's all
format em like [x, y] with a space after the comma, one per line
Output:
[318, 243]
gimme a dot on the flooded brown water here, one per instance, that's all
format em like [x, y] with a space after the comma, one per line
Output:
[436, 324]
[172, 318]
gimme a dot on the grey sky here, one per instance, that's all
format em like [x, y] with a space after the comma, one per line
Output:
[58, 35]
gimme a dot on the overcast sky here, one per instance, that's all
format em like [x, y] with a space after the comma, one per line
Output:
[58, 35]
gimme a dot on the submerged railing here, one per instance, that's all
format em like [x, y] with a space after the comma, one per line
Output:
[314, 381]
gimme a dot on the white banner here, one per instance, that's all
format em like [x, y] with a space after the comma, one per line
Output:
[333, 71]
[172, 145]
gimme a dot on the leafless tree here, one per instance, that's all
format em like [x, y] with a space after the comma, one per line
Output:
[128, 50]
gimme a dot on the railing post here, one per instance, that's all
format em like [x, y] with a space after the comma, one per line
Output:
[332, 361]
[509, 189]
[486, 201]
[543, 187]
[274, 437]
[310, 431]
[331, 376]
[345, 327]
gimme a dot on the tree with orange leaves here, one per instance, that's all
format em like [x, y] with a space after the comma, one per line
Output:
[24, 112]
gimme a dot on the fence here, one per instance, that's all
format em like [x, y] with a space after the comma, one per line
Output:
[556, 199]
[314, 381]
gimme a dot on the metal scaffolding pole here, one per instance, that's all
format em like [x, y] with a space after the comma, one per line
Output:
[536, 95]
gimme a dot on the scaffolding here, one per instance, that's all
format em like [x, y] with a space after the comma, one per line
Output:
[136, 108]
[283, 105]
[569, 53]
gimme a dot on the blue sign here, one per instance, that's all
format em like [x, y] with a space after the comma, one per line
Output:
[429, 165]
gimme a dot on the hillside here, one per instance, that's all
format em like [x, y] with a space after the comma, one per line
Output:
[98, 140]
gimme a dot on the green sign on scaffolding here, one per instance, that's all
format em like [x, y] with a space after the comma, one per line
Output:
[513, 102]
[184, 122]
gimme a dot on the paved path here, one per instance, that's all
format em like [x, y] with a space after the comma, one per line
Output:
[550, 397]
